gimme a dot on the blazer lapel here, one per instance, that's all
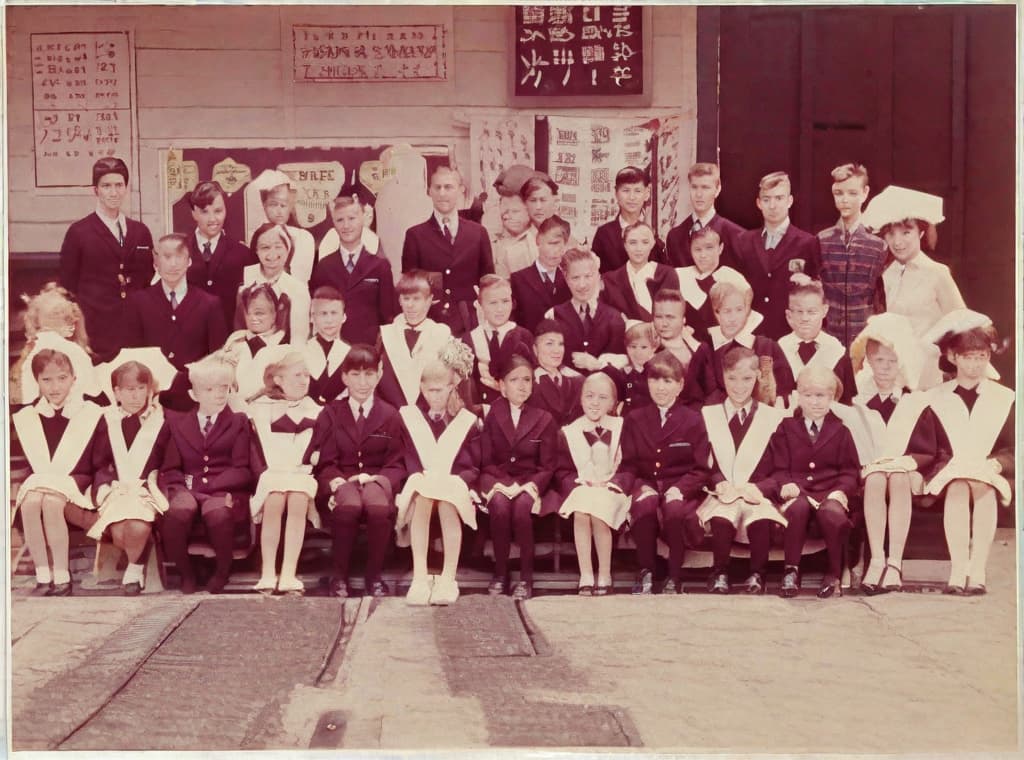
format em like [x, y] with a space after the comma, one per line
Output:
[527, 422]
[190, 430]
[780, 257]
[104, 234]
[830, 426]
[360, 270]
[221, 426]
[503, 416]
[374, 421]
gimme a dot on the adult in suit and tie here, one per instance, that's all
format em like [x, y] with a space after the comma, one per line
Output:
[217, 260]
[705, 185]
[456, 252]
[105, 257]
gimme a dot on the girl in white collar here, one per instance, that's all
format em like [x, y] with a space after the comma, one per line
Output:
[631, 288]
[59, 436]
[275, 248]
[266, 316]
[283, 416]
[975, 445]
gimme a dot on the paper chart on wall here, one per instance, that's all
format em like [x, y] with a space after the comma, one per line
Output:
[497, 141]
[677, 151]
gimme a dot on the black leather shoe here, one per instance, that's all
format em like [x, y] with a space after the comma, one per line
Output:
[671, 587]
[644, 583]
[954, 590]
[41, 589]
[829, 587]
[378, 589]
[497, 587]
[790, 583]
[754, 584]
[522, 591]
[59, 589]
[132, 589]
[975, 589]
[339, 588]
[718, 583]
[216, 584]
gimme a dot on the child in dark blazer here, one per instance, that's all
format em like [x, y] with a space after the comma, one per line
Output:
[540, 286]
[696, 281]
[217, 261]
[363, 279]
[518, 458]
[705, 184]
[631, 381]
[630, 288]
[632, 193]
[556, 387]
[361, 466]
[326, 351]
[665, 459]
[817, 469]
[206, 472]
[496, 338]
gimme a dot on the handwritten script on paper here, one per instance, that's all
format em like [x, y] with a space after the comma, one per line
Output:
[413, 53]
[81, 104]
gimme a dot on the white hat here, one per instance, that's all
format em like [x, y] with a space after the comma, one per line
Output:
[85, 374]
[895, 332]
[269, 178]
[894, 204]
[151, 357]
[955, 322]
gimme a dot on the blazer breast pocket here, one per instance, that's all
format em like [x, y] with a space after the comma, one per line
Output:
[680, 444]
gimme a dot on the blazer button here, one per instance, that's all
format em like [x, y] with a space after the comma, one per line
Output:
[174, 318]
[447, 306]
[657, 464]
[810, 477]
[209, 283]
[447, 271]
[769, 275]
[766, 299]
[658, 451]
[360, 465]
[447, 291]
[811, 465]
[206, 469]
[511, 459]
[170, 355]
[586, 343]
[206, 459]
[205, 480]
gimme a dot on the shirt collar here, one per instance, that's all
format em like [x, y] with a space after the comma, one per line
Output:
[704, 220]
[201, 240]
[502, 331]
[779, 231]
[808, 421]
[731, 409]
[181, 290]
[542, 271]
[202, 418]
[576, 305]
[345, 252]
[367, 406]
[624, 224]
[111, 224]
[453, 221]
[645, 272]
[72, 405]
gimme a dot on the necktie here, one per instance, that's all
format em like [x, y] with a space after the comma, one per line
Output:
[447, 232]
[325, 344]
[736, 426]
[493, 346]
[207, 426]
[806, 350]
[174, 300]
[411, 336]
[697, 227]
[255, 344]
[350, 264]
[664, 416]
[742, 414]
[814, 430]
[588, 320]
[207, 252]
[120, 233]
[884, 406]
[361, 417]
[598, 435]
[770, 240]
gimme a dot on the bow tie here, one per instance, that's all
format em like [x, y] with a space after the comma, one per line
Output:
[598, 435]
[286, 424]
[706, 283]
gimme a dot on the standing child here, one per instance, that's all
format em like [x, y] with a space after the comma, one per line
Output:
[60, 435]
[631, 287]
[975, 415]
[557, 387]
[283, 418]
[361, 466]
[277, 198]
[851, 257]
[817, 470]
[594, 331]
[808, 343]
[674, 334]
[589, 455]
[443, 462]
[410, 342]
[265, 321]
[739, 430]
[540, 286]
[206, 473]
[665, 455]
[496, 338]
[696, 280]
[631, 381]
[632, 193]
[326, 351]
[274, 248]
[518, 459]
[705, 182]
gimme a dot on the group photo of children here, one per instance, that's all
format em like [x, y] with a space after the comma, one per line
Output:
[724, 388]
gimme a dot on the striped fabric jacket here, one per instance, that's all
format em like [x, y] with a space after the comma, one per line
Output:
[850, 273]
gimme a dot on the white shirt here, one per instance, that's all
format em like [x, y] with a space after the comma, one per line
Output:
[704, 221]
[202, 420]
[502, 330]
[731, 410]
[201, 239]
[111, 224]
[345, 254]
[579, 306]
[517, 413]
[366, 405]
[777, 234]
[179, 291]
[663, 410]
[638, 282]
[543, 272]
[453, 221]
[808, 422]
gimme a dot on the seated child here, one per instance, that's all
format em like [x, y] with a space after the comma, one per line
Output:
[517, 462]
[496, 338]
[557, 387]
[274, 248]
[326, 351]
[60, 436]
[589, 454]
[975, 415]
[674, 334]
[808, 343]
[630, 288]
[902, 434]
[665, 455]
[705, 383]
[540, 286]
[277, 198]
[594, 331]
[205, 472]
[695, 281]
[283, 417]
[409, 343]
[816, 468]
[739, 509]
[126, 488]
[266, 316]
[361, 466]
[442, 453]
[632, 193]
[631, 381]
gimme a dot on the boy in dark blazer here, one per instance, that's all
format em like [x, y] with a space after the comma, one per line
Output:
[538, 287]
[496, 338]
[818, 471]
[632, 193]
[217, 260]
[705, 184]
[665, 465]
[777, 255]
[105, 257]
[361, 468]
[594, 331]
[206, 473]
[326, 351]
[456, 251]
[631, 381]
[363, 279]
[556, 387]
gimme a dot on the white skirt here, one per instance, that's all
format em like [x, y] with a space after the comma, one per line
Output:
[608, 506]
[979, 471]
[283, 481]
[132, 500]
[61, 485]
[440, 486]
[740, 513]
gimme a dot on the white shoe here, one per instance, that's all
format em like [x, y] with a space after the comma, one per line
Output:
[266, 584]
[420, 591]
[446, 591]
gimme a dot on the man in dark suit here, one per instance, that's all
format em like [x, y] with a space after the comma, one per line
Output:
[217, 260]
[632, 193]
[776, 256]
[106, 256]
[537, 288]
[456, 252]
[705, 185]
[363, 279]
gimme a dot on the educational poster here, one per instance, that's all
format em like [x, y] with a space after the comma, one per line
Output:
[677, 151]
[370, 53]
[497, 141]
